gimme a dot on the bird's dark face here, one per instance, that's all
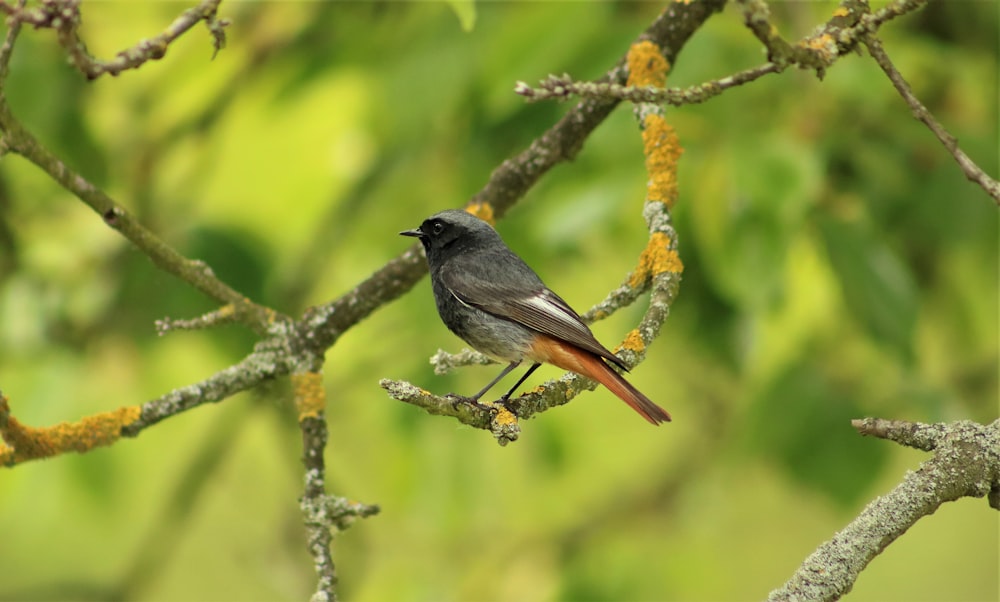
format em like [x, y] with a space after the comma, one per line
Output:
[453, 230]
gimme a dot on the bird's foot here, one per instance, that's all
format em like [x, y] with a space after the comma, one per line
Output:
[507, 405]
[457, 399]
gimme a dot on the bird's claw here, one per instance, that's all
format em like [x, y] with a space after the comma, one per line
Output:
[505, 402]
[457, 399]
[490, 406]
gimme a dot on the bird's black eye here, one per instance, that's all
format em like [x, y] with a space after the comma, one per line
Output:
[437, 228]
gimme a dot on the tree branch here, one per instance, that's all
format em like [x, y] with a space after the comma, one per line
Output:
[64, 17]
[19, 140]
[966, 463]
[920, 112]
[835, 38]
[562, 86]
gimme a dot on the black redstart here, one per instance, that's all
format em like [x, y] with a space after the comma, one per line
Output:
[490, 298]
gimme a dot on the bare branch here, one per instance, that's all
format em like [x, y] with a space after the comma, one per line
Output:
[224, 315]
[64, 17]
[968, 166]
[13, 29]
[196, 273]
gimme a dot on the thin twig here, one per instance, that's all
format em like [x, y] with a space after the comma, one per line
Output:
[224, 315]
[925, 437]
[64, 17]
[267, 362]
[839, 35]
[445, 362]
[13, 29]
[563, 86]
[920, 112]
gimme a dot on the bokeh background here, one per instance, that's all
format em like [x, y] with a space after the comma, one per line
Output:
[838, 265]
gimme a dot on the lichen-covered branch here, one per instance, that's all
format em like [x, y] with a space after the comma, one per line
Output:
[848, 25]
[850, 22]
[256, 368]
[23, 443]
[310, 401]
[322, 513]
[315, 516]
[966, 463]
[20, 443]
[445, 362]
[563, 86]
[855, 23]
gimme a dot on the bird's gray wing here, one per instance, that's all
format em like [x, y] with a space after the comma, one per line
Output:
[506, 287]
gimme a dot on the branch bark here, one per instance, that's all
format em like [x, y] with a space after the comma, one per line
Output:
[966, 463]
[64, 17]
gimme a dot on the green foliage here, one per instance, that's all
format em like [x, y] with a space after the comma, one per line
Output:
[802, 421]
[877, 287]
[465, 10]
[837, 264]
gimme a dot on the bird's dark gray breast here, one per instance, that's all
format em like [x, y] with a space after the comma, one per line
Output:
[492, 335]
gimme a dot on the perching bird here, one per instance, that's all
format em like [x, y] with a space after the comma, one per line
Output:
[490, 298]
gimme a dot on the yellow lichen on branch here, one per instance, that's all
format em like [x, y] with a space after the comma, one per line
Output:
[483, 211]
[646, 65]
[656, 258]
[503, 417]
[663, 150]
[633, 342]
[310, 397]
[22, 443]
[824, 45]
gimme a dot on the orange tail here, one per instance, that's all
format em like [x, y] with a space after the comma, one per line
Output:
[582, 362]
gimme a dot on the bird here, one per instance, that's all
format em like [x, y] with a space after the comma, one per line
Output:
[490, 298]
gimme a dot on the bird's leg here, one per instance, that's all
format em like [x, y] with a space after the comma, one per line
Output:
[506, 396]
[505, 372]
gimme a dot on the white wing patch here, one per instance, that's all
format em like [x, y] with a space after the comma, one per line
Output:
[553, 308]
[460, 300]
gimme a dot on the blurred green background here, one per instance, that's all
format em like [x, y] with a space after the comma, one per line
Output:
[838, 265]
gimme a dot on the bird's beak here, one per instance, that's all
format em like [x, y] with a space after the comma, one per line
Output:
[417, 232]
